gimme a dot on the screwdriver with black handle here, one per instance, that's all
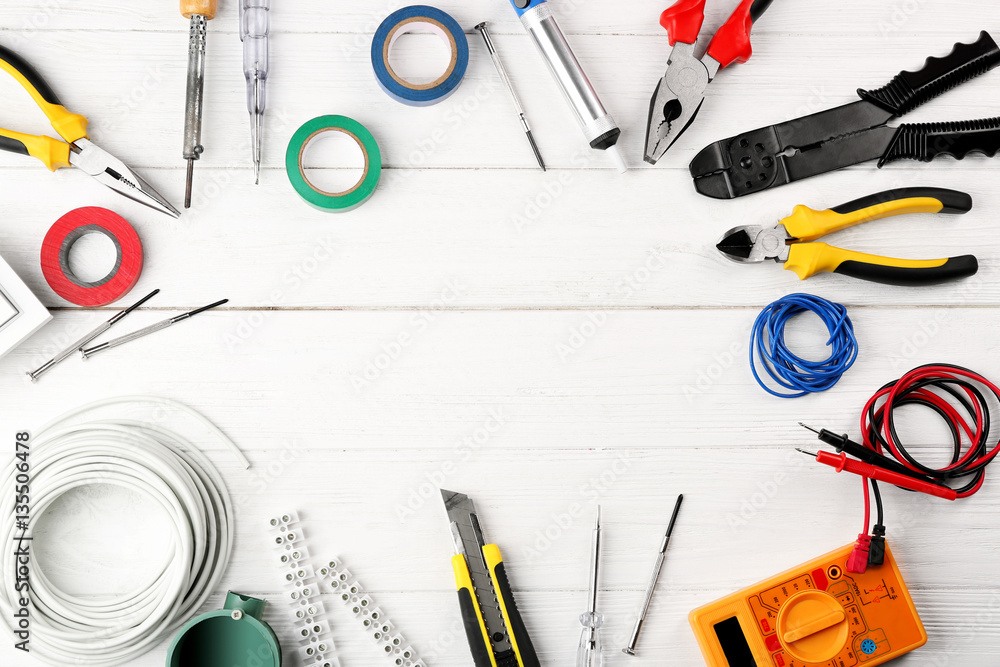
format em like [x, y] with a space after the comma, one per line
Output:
[200, 12]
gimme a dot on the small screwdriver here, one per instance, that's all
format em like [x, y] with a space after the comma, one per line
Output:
[657, 568]
[153, 328]
[505, 78]
[200, 12]
[79, 345]
[589, 653]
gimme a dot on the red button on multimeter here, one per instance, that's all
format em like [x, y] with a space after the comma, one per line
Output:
[822, 615]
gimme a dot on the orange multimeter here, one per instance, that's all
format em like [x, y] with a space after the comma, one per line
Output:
[817, 614]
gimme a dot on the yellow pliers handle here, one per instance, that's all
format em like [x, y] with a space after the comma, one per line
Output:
[70, 126]
[806, 225]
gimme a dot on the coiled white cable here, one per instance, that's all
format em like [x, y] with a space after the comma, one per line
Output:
[144, 458]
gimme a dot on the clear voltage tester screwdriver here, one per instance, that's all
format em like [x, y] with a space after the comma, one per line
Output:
[589, 653]
[255, 23]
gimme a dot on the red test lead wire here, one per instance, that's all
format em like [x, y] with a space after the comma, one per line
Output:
[841, 462]
[959, 396]
[962, 398]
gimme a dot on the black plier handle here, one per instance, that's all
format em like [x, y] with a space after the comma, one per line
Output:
[908, 90]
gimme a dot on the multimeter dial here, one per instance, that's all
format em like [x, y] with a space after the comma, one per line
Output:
[813, 627]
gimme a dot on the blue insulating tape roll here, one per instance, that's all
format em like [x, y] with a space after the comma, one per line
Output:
[521, 7]
[399, 23]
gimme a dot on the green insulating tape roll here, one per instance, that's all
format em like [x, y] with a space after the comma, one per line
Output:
[334, 201]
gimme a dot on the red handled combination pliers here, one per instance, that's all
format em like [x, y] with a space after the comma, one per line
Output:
[680, 93]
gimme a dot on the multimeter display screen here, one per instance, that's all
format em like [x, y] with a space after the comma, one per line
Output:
[734, 643]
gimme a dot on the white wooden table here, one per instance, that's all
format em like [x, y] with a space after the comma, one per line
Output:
[584, 317]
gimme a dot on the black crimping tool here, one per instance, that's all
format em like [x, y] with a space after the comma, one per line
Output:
[856, 132]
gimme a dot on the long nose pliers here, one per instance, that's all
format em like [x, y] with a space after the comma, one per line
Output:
[77, 150]
[792, 240]
[680, 93]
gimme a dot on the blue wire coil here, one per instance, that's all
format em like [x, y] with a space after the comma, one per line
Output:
[787, 369]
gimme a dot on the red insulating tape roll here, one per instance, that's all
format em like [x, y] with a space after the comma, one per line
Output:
[68, 230]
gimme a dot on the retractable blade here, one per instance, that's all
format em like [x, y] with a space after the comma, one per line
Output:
[465, 525]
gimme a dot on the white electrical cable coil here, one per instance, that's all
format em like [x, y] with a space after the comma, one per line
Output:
[144, 458]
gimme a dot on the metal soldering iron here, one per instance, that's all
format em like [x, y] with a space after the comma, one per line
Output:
[599, 127]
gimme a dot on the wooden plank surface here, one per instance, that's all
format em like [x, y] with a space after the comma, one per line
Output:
[542, 342]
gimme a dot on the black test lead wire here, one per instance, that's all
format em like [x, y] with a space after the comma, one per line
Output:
[956, 395]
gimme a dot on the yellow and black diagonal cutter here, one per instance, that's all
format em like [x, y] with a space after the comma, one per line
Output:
[792, 240]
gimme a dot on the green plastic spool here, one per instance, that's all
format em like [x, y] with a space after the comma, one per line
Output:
[234, 635]
[334, 201]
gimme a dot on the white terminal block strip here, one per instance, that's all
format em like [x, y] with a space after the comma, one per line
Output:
[373, 620]
[315, 646]
[312, 632]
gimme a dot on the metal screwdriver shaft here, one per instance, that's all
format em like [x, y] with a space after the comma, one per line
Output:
[502, 71]
[153, 328]
[630, 649]
[255, 24]
[589, 654]
[200, 12]
[78, 345]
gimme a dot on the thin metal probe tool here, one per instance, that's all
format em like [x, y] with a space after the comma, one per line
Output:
[589, 654]
[78, 345]
[805, 426]
[630, 649]
[153, 328]
[200, 12]
[194, 101]
[502, 71]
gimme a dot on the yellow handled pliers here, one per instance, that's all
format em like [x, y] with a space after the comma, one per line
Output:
[77, 151]
[792, 240]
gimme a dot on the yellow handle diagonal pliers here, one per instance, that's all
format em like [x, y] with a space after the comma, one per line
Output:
[792, 240]
[77, 150]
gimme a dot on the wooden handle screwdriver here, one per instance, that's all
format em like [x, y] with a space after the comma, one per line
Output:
[200, 12]
[206, 8]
